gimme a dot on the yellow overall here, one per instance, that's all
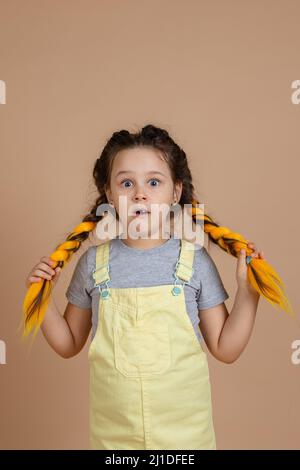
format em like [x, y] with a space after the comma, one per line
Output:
[149, 377]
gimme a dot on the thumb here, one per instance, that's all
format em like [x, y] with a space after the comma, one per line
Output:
[241, 267]
[57, 272]
[242, 257]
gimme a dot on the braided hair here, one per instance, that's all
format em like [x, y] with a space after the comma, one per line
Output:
[261, 275]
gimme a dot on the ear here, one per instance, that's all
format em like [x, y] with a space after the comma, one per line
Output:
[178, 191]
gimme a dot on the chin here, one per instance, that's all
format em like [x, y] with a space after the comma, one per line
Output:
[142, 231]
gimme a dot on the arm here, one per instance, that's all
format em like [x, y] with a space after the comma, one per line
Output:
[227, 335]
[66, 334]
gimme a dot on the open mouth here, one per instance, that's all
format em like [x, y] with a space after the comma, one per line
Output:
[140, 213]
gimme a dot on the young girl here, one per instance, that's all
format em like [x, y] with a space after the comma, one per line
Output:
[143, 297]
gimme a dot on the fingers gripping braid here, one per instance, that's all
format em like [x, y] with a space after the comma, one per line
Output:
[38, 294]
[261, 275]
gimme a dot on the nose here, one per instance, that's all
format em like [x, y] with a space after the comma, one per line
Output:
[139, 194]
[139, 197]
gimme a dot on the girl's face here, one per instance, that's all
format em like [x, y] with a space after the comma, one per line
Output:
[141, 179]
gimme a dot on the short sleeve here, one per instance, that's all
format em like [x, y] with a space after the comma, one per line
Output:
[212, 291]
[76, 292]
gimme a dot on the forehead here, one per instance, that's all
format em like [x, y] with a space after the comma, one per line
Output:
[140, 160]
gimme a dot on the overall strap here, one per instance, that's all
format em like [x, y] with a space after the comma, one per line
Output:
[184, 265]
[101, 271]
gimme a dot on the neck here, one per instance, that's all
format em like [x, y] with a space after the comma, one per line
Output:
[146, 243]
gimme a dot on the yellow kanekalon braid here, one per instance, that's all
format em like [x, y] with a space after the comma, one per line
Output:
[261, 275]
[33, 315]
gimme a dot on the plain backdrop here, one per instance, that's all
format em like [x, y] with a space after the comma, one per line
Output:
[217, 75]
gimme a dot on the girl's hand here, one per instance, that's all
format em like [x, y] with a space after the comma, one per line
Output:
[242, 267]
[43, 270]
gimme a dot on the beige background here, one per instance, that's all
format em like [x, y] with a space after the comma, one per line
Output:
[217, 75]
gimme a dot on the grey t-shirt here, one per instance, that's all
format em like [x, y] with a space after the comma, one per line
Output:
[133, 267]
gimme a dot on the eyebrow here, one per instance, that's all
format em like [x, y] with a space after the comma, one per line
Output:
[149, 172]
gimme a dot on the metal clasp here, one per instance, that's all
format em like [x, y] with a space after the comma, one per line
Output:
[104, 292]
[177, 289]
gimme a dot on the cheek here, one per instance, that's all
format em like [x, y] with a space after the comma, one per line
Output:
[159, 211]
[121, 199]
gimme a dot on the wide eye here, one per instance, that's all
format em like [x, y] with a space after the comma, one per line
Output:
[125, 181]
[155, 179]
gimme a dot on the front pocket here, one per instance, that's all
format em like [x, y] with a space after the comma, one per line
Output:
[142, 350]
